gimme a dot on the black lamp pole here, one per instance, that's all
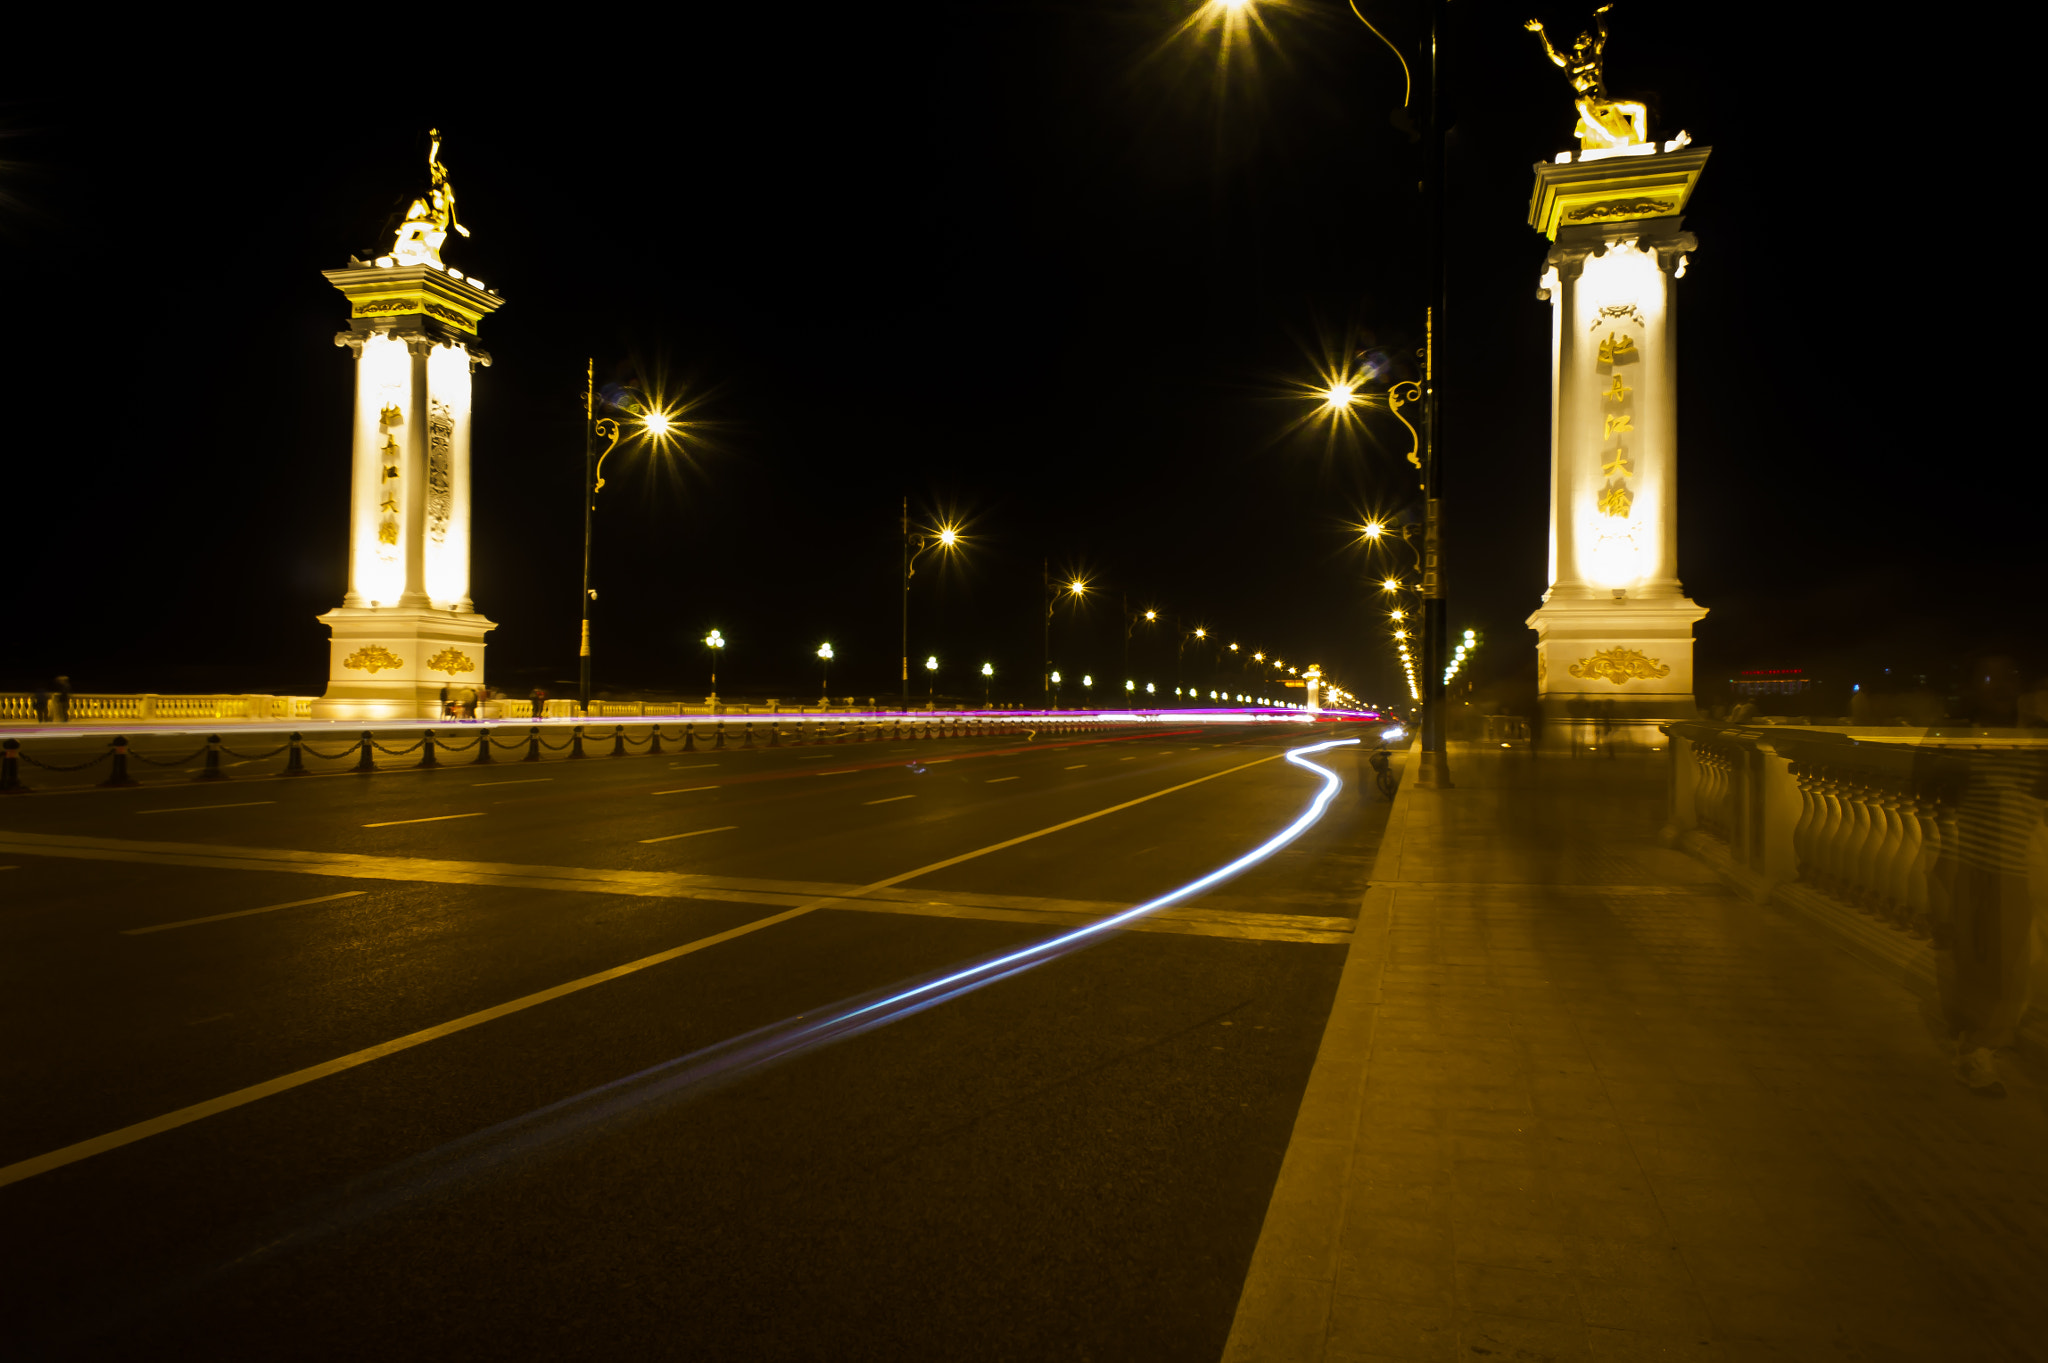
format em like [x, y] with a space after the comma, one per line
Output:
[1434, 771]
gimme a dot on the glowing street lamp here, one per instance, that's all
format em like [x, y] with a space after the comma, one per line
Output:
[1075, 587]
[654, 426]
[945, 538]
[931, 671]
[988, 672]
[825, 653]
[714, 641]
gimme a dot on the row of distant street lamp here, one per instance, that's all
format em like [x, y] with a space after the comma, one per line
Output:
[715, 641]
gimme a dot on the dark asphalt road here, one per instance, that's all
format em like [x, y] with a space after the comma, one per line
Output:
[1071, 1163]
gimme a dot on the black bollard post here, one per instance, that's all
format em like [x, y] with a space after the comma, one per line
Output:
[774, 733]
[367, 762]
[654, 740]
[718, 734]
[427, 757]
[689, 736]
[211, 771]
[119, 775]
[483, 748]
[618, 740]
[533, 744]
[747, 735]
[295, 765]
[576, 743]
[10, 769]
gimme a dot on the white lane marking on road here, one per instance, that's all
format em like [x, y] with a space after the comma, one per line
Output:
[1077, 766]
[431, 818]
[227, 1102]
[847, 771]
[1132, 758]
[890, 801]
[993, 779]
[686, 790]
[241, 913]
[693, 833]
[187, 809]
[694, 766]
[522, 781]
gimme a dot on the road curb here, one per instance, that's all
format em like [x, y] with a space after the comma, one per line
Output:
[1284, 1309]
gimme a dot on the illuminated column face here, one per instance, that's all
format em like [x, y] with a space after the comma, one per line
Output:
[377, 537]
[445, 525]
[1615, 437]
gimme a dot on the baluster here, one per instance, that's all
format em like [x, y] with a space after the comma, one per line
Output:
[1917, 836]
[1827, 833]
[1809, 815]
[1887, 869]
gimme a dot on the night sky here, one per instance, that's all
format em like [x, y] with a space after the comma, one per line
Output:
[1032, 265]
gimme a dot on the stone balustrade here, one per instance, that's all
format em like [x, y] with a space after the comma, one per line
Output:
[1862, 829]
[150, 708]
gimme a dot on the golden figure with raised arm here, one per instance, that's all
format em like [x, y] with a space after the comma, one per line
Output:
[1603, 122]
[428, 220]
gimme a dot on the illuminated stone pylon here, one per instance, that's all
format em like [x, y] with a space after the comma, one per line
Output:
[406, 627]
[1614, 633]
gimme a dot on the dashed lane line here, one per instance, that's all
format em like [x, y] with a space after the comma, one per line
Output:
[993, 779]
[686, 790]
[693, 833]
[242, 913]
[889, 801]
[188, 809]
[1077, 766]
[431, 818]
[523, 781]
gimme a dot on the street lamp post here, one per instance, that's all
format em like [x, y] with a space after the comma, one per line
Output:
[825, 684]
[931, 669]
[945, 537]
[714, 641]
[1074, 587]
[988, 672]
[656, 424]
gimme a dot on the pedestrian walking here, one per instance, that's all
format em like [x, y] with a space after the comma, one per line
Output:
[1607, 728]
[1985, 942]
[40, 697]
[447, 704]
[540, 702]
[63, 700]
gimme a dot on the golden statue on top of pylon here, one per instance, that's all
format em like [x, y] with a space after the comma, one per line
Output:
[428, 220]
[1603, 122]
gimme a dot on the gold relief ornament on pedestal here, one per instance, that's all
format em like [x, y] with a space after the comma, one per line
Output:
[373, 658]
[451, 661]
[1619, 665]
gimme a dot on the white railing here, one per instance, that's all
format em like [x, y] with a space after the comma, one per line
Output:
[1862, 829]
[150, 708]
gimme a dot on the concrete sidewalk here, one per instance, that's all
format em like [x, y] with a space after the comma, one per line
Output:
[1576, 1101]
